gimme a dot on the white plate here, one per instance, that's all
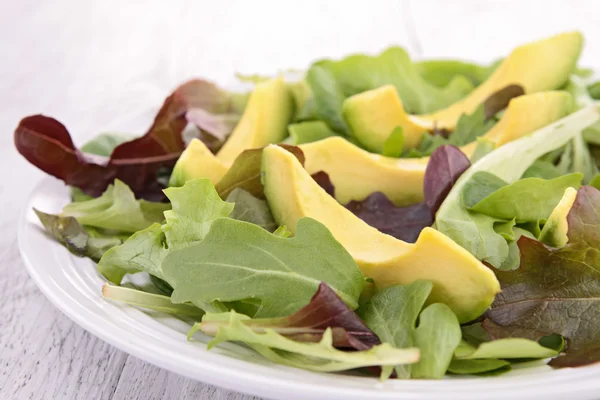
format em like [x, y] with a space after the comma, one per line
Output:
[73, 285]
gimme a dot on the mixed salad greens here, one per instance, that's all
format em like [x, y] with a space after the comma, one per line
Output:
[397, 218]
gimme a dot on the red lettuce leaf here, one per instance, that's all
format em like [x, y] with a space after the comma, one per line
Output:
[499, 100]
[325, 310]
[323, 180]
[47, 144]
[446, 165]
[556, 291]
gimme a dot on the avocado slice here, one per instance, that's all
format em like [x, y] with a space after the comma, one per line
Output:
[197, 161]
[554, 232]
[373, 115]
[265, 120]
[542, 65]
[356, 173]
[459, 280]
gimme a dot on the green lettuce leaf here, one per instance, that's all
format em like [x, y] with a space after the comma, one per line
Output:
[195, 206]
[437, 337]
[474, 231]
[238, 260]
[483, 148]
[105, 143]
[394, 144]
[332, 82]
[556, 291]
[504, 348]
[392, 314]
[441, 72]
[479, 367]
[542, 169]
[526, 200]
[251, 209]
[69, 232]
[321, 356]
[117, 209]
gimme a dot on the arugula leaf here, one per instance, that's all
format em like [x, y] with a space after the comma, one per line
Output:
[437, 336]
[475, 231]
[68, 232]
[195, 206]
[244, 173]
[117, 209]
[333, 81]
[526, 200]
[446, 164]
[251, 209]
[321, 356]
[150, 301]
[392, 314]
[325, 310]
[238, 260]
[394, 144]
[556, 291]
[309, 131]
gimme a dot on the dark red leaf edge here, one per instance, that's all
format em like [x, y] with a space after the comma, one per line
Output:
[325, 310]
[446, 165]
[47, 144]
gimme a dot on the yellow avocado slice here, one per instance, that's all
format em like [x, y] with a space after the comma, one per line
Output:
[542, 65]
[197, 161]
[555, 229]
[459, 279]
[265, 120]
[373, 115]
[356, 173]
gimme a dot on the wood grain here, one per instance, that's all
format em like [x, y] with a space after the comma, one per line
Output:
[107, 65]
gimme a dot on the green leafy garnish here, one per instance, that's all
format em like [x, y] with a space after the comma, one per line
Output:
[394, 144]
[251, 209]
[321, 356]
[238, 260]
[309, 131]
[117, 209]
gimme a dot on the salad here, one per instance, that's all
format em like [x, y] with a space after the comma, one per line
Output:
[395, 218]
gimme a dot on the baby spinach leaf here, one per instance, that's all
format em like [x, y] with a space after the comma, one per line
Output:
[69, 232]
[481, 185]
[195, 206]
[474, 231]
[392, 314]
[479, 367]
[437, 336]
[238, 260]
[320, 356]
[325, 310]
[526, 200]
[251, 209]
[117, 209]
[556, 291]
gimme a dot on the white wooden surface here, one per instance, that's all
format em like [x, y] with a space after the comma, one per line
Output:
[107, 65]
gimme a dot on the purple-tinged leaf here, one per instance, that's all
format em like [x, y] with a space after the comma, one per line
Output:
[325, 310]
[446, 165]
[322, 178]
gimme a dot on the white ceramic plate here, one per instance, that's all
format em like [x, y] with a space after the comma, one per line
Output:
[73, 285]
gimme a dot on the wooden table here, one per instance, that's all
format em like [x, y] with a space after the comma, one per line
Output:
[107, 65]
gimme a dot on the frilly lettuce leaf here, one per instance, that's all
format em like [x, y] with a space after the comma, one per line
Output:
[320, 356]
[117, 209]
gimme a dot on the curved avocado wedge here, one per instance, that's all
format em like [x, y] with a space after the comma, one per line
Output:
[265, 119]
[459, 279]
[542, 65]
[356, 173]
[554, 232]
[197, 161]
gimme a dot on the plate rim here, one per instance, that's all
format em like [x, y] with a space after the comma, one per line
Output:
[242, 379]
